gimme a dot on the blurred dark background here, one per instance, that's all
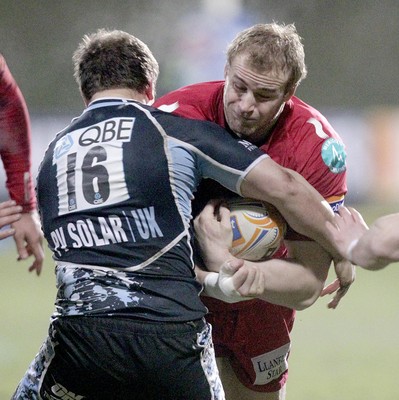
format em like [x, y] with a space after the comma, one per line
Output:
[352, 54]
[352, 47]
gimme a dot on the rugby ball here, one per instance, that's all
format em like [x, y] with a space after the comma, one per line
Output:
[258, 229]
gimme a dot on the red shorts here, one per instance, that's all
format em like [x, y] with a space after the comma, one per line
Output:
[255, 336]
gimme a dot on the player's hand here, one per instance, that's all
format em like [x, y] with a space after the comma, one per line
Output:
[9, 213]
[222, 285]
[347, 228]
[28, 238]
[248, 280]
[346, 275]
[214, 234]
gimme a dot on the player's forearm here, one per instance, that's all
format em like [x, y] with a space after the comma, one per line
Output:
[379, 246]
[215, 257]
[288, 283]
[283, 282]
[15, 149]
[19, 180]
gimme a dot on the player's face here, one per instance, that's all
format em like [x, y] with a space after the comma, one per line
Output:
[253, 100]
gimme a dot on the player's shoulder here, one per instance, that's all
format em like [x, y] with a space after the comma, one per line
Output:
[305, 119]
[199, 133]
[175, 122]
[314, 143]
[192, 94]
[203, 87]
[199, 101]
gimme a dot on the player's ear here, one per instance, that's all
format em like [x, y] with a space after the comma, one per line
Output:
[150, 92]
[289, 93]
[86, 101]
[226, 70]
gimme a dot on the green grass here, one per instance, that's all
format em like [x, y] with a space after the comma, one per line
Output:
[345, 354]
[350, 353]
[26, 303]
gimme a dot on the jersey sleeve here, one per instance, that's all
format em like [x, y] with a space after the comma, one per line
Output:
[218, 156]
[321, 160]
[15, 140]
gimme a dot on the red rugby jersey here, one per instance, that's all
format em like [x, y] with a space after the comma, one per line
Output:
[15, 140]
[302, 139]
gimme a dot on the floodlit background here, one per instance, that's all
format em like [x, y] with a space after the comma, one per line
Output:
[352, 54]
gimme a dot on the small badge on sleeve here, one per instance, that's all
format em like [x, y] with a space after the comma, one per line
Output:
[334, 155]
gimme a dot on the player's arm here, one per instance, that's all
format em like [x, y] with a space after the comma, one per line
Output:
[304, 210]
[371, 248]
[15, 152]
[15, 140]
[295, 282]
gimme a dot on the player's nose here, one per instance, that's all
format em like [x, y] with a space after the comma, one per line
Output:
[247, 103]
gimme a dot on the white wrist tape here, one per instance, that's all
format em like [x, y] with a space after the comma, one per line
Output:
[220, 286]
[226, 284]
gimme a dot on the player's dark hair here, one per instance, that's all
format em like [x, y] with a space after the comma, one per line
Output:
[113, 59]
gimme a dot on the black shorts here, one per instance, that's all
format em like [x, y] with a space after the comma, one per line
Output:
[96, 358]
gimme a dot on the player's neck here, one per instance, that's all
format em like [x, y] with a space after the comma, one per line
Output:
[123, 93]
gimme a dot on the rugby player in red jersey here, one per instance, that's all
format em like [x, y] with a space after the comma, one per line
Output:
[15, 152]
[256, 102]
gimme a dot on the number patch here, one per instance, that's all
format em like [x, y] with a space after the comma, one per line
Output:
[84, 157]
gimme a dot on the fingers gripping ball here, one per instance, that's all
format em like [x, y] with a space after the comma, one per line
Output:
[258, 229]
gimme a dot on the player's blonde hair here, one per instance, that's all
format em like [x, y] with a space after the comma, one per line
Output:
[113, 59]
[271, 47]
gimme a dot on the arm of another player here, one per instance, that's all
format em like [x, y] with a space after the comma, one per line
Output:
[15, 151]
[371, 248]
[9, 212]
[294, 283]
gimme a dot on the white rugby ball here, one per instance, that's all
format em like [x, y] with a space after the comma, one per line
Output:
[258, 229]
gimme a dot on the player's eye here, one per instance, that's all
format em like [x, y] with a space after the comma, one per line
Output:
[239, 88]
[264, 97]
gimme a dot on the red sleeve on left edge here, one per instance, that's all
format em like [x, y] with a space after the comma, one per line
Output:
[15, 140]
